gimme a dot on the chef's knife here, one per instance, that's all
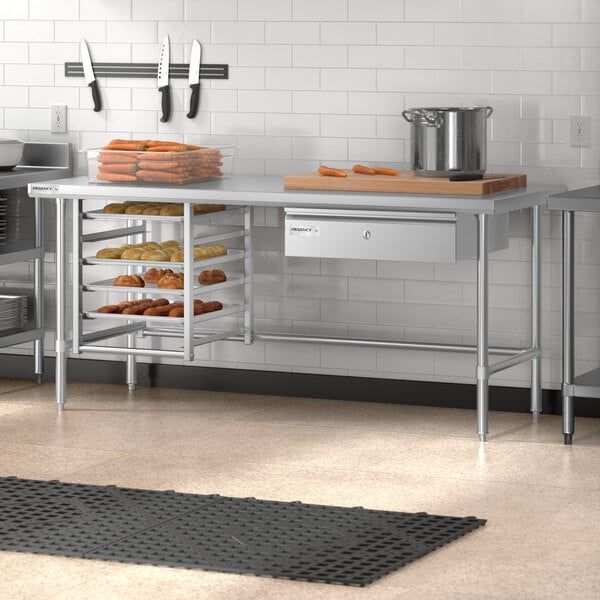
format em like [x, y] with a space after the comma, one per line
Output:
[163, 80]
[194, 78]
[88, 73]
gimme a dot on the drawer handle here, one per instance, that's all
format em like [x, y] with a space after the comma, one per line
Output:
[366, 234]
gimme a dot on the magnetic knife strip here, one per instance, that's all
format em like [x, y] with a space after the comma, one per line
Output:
[176, 70]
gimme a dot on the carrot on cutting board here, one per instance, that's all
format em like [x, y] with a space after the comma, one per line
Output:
[331, 172]
[364, 170]
[385, 171]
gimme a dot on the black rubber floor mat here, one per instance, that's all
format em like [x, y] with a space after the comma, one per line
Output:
[352, 546]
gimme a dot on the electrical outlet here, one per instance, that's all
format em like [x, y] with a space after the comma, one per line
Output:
[580, 130]
[58, 118]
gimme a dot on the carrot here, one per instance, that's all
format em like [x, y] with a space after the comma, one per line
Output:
[115, 176]
[168, 148]
[119, 141]
[364, 170]
[116, 157]
[329, 172]
[128, 146]
[385, 171]
[151, 143]
[118, 167]
[159, 165]
[160, 176]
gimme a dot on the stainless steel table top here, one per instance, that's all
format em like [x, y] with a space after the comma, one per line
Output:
[582, 200]
[268, 191]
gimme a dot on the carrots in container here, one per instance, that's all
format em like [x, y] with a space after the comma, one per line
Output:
[331, 172]
[129, 146]
[118, 167]
[116, 157]
[364, 170]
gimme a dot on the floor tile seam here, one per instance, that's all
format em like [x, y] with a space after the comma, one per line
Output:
[74, 448]
[153, 526]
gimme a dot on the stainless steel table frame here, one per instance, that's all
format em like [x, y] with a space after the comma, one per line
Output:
[587, 384]
[268, 191]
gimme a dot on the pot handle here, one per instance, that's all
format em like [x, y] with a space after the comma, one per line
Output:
[490, 110]
[428, 121]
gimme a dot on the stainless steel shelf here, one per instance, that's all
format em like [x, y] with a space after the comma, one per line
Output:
[13, 252]
[14, 337]
[587, 385]
[151, 288]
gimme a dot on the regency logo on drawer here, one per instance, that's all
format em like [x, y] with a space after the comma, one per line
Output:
[304, 230]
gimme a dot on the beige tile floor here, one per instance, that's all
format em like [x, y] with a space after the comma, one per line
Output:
[541, 498]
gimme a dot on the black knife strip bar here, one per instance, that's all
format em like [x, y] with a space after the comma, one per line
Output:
[176, 70]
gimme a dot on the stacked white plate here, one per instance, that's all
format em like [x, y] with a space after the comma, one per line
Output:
[13, 312]
[2, 219]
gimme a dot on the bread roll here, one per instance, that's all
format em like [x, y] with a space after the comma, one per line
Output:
[109, 308]
[129, 281]
[203, 252]
[155, 255]
[170, 244]
[149, 245]
[172, 282]
[172, 210]
[135, 209]
[112, 253]
[153, 275]
[114, 208]
[132, 254]
[153, 210]
[161, 311]
[177, 256]
[211, 276]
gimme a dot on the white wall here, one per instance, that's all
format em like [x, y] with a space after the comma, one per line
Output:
[325, 82]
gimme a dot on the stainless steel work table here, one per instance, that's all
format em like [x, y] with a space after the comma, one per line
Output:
[587, 384]
[266, 191]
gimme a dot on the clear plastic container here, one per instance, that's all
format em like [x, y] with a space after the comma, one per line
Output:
[159, 168]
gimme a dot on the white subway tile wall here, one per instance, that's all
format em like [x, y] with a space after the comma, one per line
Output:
[313, 82]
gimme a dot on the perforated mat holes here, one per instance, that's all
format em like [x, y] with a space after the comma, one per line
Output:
[352, 546]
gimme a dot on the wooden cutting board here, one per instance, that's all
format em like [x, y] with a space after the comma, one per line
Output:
[405, 182]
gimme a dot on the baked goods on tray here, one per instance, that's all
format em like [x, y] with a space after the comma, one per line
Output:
[129, 281]
[165, 209]
[158, 308]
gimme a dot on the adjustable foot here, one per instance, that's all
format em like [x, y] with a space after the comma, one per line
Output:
[39, 379]
[535, 414]
[483, 437]
[131, 387]
[568, 438]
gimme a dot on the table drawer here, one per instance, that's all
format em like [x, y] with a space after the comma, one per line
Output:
[406, 236]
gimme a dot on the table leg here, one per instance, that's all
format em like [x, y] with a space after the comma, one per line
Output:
[536, 312]
[38, 290]
[568, 319]
[482, 328]
[61, 305]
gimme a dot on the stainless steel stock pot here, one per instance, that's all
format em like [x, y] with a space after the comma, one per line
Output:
[449, 141]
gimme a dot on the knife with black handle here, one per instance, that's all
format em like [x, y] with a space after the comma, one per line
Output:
[90, 77]
[163, 80]
[194, 78]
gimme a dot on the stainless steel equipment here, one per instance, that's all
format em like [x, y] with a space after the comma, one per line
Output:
[449, 142]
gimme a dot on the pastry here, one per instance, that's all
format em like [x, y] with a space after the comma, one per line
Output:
[155, 255]
[170, 244]
[177, 256]
[112, 253]
[114, 208]
[126, 246]
[153, 210]
[132, 254]
[211, 276]
[153, 275]
[129, 281]
[199, 308]
[172, 281]
[135, 209]
[137, 309]
[205, 208]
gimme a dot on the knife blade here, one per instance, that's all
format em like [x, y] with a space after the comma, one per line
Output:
[163, 80]
[194, 78]
[88, 74]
